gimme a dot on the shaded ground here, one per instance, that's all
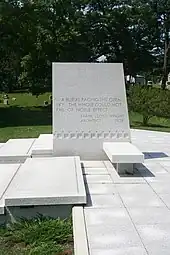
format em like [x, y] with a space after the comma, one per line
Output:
[27, 117]
[14, 116]
[38, 236]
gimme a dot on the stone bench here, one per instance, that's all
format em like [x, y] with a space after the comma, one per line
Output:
[123, 155]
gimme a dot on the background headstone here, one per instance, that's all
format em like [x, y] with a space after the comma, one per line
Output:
[6, 102]
[89, 107]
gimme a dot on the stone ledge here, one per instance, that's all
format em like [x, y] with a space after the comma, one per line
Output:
[43, 146]
[16, 150]
[79, 232]
[47, 181]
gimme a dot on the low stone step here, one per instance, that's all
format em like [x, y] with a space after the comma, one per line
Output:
[43, 146]
[47, 181]
[7, 172]
[16, 150]
[1, 144]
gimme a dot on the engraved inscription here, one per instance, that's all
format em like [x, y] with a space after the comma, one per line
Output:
[91, 109]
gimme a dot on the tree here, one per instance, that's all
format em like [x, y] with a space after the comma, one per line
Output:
[149, 102]
[160, 15]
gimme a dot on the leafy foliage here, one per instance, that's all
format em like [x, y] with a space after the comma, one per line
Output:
[149, 102]
[38, 236]
[35, 33]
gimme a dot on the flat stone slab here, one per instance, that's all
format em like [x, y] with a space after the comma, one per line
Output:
[150, 216]
[42, 146]
[7, 172]
[98, 178]
[121, 251]
[141, 200]
[1, 207]
[47, 181]
[155, 236]
[107, 217]
[104, 201]
[16, 150]
[1, 144]
[123, 152]
[106, 236]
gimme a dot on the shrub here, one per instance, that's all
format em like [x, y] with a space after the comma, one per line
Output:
[149, 102]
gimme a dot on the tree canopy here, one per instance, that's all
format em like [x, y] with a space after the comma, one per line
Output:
[35, 33]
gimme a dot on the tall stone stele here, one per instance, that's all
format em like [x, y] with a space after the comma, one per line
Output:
[89, 108]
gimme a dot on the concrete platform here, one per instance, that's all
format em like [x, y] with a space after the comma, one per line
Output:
[47, 181]
[43, 146]
[1, 144]
[130, 218]
[7, 172]
[16, 150]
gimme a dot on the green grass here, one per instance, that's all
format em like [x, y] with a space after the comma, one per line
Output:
[27, 117]
[155, 123]
[40, 236]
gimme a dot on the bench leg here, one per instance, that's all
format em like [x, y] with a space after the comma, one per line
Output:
[125, 168]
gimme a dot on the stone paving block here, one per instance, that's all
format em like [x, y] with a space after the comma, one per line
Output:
[158, 179]
[99, 201]
[130, 180]
[101, 189]
[98, 179]
[166, 199]
[109, 237]
[93, 164]
[95, 171]
[17, 147]
[157, 250]
[121, 251]
[141, 200]
[7, 171]
[161, 188]
[150, 216]
[107, 217]
[157, 235]
[134, 188]
[165, 164]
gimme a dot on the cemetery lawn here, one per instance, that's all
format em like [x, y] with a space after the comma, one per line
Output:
[28, 117]
[37, 237]
[155, 123]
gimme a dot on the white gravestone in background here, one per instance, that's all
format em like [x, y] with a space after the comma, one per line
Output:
[89, 108]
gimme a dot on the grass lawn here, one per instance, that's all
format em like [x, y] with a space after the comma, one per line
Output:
[37, 237]
[155, 123]
[27, 117]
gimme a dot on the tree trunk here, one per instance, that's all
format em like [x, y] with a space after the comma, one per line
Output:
[145, 120]
[165, 68]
